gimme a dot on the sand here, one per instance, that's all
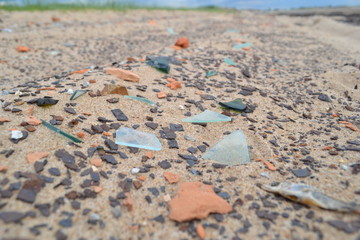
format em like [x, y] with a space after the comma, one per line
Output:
[292, 61]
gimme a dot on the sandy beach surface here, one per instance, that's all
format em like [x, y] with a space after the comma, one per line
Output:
[298, 76]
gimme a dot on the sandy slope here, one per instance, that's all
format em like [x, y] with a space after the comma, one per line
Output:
[291, 63]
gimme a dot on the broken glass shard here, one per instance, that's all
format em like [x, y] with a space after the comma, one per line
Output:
[236, 104]
[309, 195]
[211, 73]
[55, 129]
[229, 61]
[232, 31]
[171, 31]
[231, 150]
[77, 94]
[207, 116]
[242, 45]
[160, 63]
[133, 138]
[141, 99]
[114, 89]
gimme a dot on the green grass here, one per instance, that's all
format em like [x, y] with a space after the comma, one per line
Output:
[113, 6]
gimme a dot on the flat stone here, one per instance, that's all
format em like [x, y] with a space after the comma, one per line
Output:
[164, 164]
[151, 125]
[119, 115]
[70, 110]
[12, 216]
[301, 172]
[324, 97]
[195, 200]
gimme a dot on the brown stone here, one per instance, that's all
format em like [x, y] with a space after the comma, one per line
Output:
[195, 200]
[114, 89]
[137, 184]
[128, 202]
[123, 74]
[30, 128]
[171, 177]
[35, 156]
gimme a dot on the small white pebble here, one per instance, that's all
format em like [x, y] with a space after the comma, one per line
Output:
[181, 107]
[344, 167]
[70, 91]
[135, 170]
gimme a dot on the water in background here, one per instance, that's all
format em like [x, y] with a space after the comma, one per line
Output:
[239, 4]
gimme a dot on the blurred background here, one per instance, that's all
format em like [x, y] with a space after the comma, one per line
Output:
[238, 4]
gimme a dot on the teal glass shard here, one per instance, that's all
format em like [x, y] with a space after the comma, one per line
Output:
[77, 94]
[55, 129]
[171, 31]
[211, 73]
[243, 45]
[232, 31]
[207, 116]
[231, 150]
[236, 104]
[133, 138]
[141, 100]
[229, 61]
[160, 63]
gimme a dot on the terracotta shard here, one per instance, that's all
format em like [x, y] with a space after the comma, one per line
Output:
[35, 156]
[114, 89]
[4, 119]
[123, 74]
[171, 177]
[182, 42]
[22, 49]
[195, 200]
[174, 85]
[32, 120]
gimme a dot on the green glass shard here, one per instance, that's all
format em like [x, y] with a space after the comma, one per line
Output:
[141, 100]
[236, 104]
[55, 129]
[229, 61]
[211, 73]
[133, 138]
[243, 45]
[77, 94]
[207, 116]
[231, 150]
